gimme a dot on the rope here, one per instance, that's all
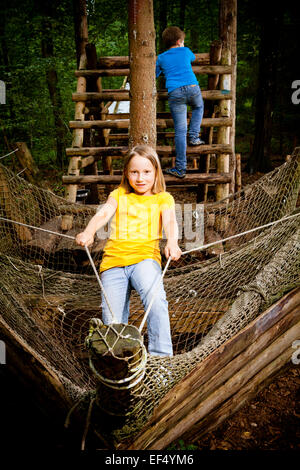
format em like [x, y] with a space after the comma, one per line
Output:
[3, 156]
[154, 295]
[100, 283]
[203, 247]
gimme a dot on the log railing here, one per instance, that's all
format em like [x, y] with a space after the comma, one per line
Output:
[95, 104]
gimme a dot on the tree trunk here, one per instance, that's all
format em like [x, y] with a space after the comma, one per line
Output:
[162, 24]
[266, 89]
[142, 73]
[54, 92]
[81, 30]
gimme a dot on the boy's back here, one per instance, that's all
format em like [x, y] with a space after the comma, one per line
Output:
[176, 66]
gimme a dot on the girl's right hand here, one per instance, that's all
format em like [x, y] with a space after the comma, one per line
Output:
[84, 239]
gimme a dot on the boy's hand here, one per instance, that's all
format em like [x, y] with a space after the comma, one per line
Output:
[84, 239]
[172, 249]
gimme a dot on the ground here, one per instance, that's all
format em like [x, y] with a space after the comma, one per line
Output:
[268, 422]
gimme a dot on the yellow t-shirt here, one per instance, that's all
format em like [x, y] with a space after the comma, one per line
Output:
[135, 229]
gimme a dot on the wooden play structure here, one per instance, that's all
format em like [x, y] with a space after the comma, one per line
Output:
[233, 303]
[102, 135]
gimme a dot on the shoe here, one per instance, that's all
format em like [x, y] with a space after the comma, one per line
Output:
[196, 142]
[175, 172]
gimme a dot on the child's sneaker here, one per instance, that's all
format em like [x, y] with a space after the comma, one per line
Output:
[175, 172]
[196, 141]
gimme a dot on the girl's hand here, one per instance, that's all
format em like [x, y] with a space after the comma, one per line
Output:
[173, 250]
[84, 239]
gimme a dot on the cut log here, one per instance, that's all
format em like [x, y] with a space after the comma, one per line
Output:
[211, 178]
[114, 95]
[161, 123]
[116, 72]
[245, 345]
[45, 240]
[109, 62]
[10, 209]
[25, 158]
[162, 150]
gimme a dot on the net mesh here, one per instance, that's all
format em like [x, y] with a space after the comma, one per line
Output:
[49, 293]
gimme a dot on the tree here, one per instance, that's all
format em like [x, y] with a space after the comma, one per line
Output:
[270, 25]
[142, 128]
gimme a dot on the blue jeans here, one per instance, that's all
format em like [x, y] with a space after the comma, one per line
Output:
[142, 276]
[178, 101]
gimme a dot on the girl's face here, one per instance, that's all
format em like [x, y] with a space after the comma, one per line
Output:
[141, 175]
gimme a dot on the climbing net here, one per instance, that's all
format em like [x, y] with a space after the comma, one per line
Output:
[49, 292]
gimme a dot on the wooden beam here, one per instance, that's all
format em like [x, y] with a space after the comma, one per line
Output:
[163, 150]
[211, 178]
[115, 95]
[277, 318]
[161, 123]
[123, 61]
[198, 70]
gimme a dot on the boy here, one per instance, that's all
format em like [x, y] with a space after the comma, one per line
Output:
[183, 89]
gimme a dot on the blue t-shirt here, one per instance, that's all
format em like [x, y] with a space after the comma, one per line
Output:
[176, 66]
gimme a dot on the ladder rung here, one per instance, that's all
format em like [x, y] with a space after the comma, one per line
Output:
[163, 150]
[123, 95]
[195, 178]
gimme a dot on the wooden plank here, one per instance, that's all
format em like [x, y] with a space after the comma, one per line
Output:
[239, 399]
[215, 362]
[211, 178]
[161, 150]
[123, 95]
[116, 72]
[161, 123]
[245, 367]
[123, 61]
[30, 369]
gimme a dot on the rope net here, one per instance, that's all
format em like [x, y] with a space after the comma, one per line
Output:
[50, 296]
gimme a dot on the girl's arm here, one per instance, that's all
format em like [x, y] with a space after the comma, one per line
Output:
[171, 230]
[97, 221]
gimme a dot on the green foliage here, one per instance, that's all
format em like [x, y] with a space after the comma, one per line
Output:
[181, 445]
[28, 114]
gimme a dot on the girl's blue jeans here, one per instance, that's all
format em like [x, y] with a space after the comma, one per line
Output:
[178, 101]
[143, 277]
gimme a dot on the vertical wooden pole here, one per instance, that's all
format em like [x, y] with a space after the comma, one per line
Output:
[238, 173]
[142, 128]
[223, 135]
[227, 31]
[81, 36]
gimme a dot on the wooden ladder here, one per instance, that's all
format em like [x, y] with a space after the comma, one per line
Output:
[92, 116]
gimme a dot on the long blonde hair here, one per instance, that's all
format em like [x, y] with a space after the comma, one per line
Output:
[147, 152]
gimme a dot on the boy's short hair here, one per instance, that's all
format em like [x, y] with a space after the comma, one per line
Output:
[171, 35]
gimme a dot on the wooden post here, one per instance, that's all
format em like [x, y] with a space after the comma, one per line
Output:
[213, 80]
[81, 35]
[142, 129]
[238, 173]
[228, 31]
[25, 158]
[223, 135]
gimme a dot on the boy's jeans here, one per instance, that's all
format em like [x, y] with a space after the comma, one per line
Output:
[178, 101]
[118, 283]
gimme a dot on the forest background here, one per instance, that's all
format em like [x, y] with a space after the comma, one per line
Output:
[38, 59]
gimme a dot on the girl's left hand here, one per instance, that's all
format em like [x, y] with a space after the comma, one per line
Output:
[173, 250]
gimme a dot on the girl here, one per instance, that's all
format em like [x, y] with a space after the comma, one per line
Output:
[140, 208]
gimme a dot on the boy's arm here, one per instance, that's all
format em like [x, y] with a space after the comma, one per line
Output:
[170, 227]
[97, 221]
[158, 69]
